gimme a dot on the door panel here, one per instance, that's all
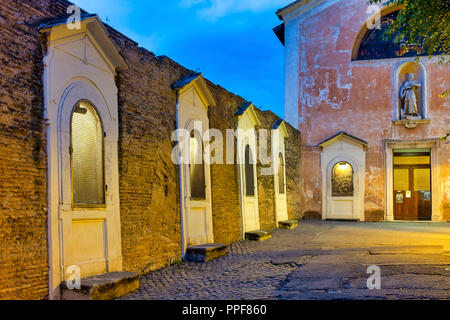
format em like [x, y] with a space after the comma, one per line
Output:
[412, 187]
[422, 180]
[196, 186]
[88, 246]
[282, 213]
[249, 191]
[251, 214]
[342, 208]
[197, 226]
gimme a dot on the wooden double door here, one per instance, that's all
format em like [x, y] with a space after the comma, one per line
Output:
[412, 186]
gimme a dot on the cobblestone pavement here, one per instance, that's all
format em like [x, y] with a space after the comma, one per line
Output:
[318, 260]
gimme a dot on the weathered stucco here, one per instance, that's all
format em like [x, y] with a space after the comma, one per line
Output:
[359, 97]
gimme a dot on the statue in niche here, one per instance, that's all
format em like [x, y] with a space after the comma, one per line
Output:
[410, 109]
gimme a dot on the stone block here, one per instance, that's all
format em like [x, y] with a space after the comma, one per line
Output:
[205, 252]
[106, 286]
[258, 235]
[288, 224]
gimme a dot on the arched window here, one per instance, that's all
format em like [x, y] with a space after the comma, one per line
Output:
[281, 186]
[196, 167]
[374, 46]
[249, 173]
[342, 180]
[88, 176]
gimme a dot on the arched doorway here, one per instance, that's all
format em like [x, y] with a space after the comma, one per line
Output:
[87, 181]
[280, 190]
[250, 197]
[246, 159]
[195, 174]
[196, 189]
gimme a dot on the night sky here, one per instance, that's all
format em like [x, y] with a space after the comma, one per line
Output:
[230, 41]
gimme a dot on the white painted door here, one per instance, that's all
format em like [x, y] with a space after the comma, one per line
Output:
[280, 189]
[281, 208]
[195, 172]
[251, 214]
[198, 207]
[198, 222]
[248, 187]
[247, 159]
[89, 223]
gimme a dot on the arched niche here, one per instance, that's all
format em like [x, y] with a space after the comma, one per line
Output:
[193, 101]
[81, 65]
[247, 124]
[343, 163]
[402, 76]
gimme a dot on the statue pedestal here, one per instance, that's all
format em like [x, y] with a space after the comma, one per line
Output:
[411, 122]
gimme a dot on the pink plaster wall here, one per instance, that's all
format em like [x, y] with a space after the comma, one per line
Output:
[358, 97]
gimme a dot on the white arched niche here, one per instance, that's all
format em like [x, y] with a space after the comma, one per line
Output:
[193, 101]
[279, 134]
[346, 150]
[247, 122]
[81, 65]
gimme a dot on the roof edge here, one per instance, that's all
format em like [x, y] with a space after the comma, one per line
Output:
[343, 134]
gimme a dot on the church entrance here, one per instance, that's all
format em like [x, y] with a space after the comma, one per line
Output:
[412, 184]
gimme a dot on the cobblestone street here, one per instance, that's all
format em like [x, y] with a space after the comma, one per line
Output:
[318, 260]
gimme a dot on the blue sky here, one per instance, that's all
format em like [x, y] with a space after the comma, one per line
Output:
[230, 41]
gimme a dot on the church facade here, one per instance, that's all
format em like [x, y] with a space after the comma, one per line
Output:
[107, 155]
[370, 115]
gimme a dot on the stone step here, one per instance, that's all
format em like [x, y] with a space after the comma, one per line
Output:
[288, 224]
[258, 235]
[105, 286]
[205, 252]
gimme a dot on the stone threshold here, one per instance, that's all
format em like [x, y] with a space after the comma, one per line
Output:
[288, 224]
[258, 235]
[105, 286]
[205, 252]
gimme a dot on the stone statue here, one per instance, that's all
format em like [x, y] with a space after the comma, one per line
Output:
[408, 96]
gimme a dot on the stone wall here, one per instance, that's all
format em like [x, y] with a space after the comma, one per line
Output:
[149, 186]
[226, 208]
[23, 163]
[294, 160]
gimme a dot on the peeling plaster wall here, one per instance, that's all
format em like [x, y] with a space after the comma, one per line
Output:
[335, 93]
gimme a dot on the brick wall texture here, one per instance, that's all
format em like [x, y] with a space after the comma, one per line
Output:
[149, 182]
